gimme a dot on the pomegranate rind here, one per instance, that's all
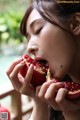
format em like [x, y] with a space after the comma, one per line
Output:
[39, 73]
[73, 95]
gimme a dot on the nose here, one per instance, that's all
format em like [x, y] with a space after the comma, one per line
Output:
[32, 48]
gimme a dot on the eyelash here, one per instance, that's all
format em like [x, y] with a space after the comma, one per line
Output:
[38, 31]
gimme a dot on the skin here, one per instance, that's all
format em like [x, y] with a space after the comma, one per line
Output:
[61, 50]
[56, 45]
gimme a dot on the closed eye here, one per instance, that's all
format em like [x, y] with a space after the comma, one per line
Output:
[38, 31]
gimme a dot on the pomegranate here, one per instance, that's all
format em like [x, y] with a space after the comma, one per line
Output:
[73, 88]
[39, 73]
[42, 74]
[4, 113]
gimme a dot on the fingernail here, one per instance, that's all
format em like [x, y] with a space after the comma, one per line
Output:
[20, 58]
[32, 66]
[22, 63]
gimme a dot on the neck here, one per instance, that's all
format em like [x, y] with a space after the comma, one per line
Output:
[75, 67]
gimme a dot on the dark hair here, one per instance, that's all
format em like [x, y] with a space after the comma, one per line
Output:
[24, 20]
[49, 8]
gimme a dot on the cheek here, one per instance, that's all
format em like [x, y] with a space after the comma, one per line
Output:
[56, 44]
[46, 39]
[60, 67]
[61, 59]
[61, 70]
[59, 49]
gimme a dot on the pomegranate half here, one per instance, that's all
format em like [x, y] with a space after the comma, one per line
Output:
[39, 73]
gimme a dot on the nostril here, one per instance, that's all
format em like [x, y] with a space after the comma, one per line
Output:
[32, 50]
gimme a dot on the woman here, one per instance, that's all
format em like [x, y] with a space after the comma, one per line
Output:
[53, 32]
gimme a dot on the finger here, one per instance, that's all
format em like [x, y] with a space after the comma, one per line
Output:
[21, 79]
[65, 103]
[17, 86]
[14, 76]
[61, 98]
[61, 94]
[11, 67]
[52, 90]
[51, 94]
[29, 74]
[14, 73]
[37, 90]
[27, 80]
[43, 89]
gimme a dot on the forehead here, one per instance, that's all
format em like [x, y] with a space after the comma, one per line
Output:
[34, 15]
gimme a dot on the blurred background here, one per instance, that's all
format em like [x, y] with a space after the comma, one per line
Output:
[12, 45]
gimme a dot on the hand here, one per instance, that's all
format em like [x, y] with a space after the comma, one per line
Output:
[21, 84]
[55, 96]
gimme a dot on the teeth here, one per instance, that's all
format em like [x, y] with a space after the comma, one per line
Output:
[48, 77]
[32, 56]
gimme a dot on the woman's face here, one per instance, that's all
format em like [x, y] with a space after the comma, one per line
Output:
[51, 43]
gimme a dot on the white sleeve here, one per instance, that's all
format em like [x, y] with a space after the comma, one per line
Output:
[31, 118]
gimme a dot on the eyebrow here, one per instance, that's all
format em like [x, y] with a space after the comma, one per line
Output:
[33, 22]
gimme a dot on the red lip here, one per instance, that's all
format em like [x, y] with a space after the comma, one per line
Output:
[39, 58]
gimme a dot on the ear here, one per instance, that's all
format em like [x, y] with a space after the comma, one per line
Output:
[75, 24]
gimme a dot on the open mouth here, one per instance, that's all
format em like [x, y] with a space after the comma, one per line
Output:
[42, 65]
[43, 62]
[45, 66]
